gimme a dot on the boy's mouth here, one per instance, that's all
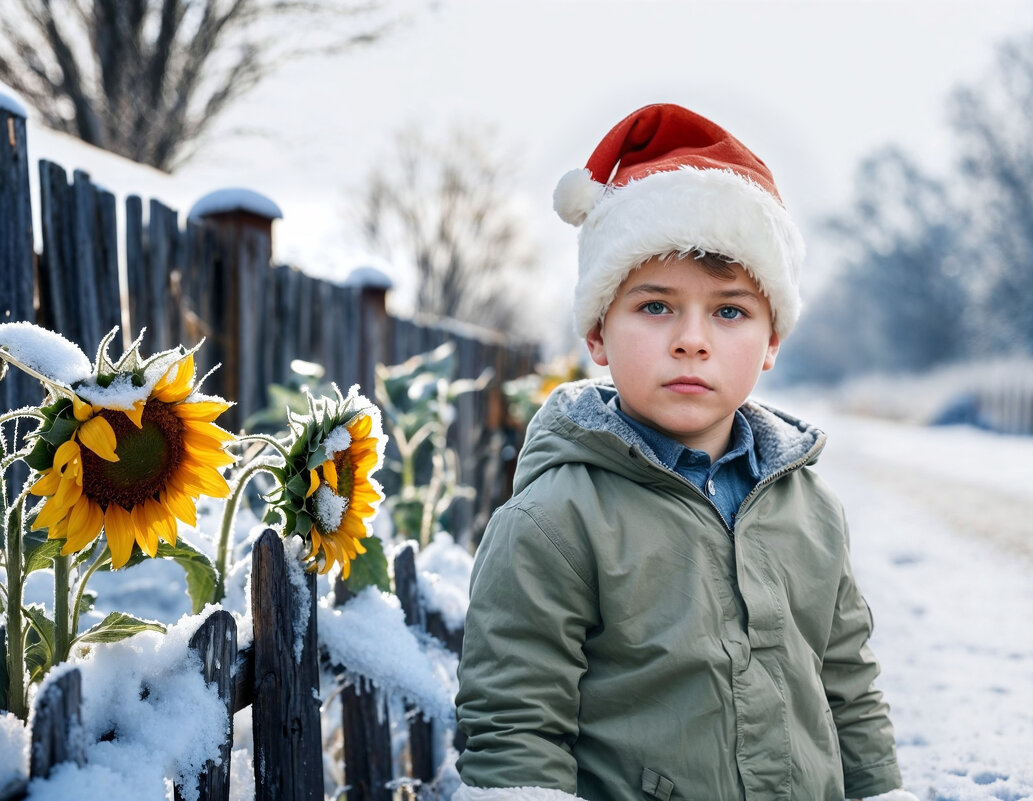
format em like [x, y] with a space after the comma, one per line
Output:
[688, 385]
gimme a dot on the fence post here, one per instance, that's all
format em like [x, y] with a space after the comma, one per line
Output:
[243, 221]
[374, 344]
[288, 744]
[367, 742]
[16, 257]
[421, 732]
[57, 726]
[216, 643]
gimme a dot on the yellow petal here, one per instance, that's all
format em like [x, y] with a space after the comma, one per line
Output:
[360, 427]
[180, 504]
[146, 536]
[68, 492]
[203, 433]
[48, 484]
[98, 435]
[330, 474]
[53, 510]
[65, 453]
[82, 410]
[136, 413]
[313, 483]
[209, 456]
[204, 480]
[163, 521]
[172, 390]
[204, 411]
[84, 524]
[118, 525]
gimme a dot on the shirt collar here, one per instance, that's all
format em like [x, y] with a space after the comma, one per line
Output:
[669, 451]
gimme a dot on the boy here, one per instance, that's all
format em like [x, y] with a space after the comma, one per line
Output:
[665, 609]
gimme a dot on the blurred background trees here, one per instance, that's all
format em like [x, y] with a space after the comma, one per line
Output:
[147, 78]
[934, 269]
[446, 207]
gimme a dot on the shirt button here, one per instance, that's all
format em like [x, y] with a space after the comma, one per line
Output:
[711, 488]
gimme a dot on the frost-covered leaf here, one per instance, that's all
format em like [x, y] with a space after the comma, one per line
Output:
[118, 626]
[40, 552]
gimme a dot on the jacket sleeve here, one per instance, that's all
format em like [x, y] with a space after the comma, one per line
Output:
[861, 715]
[532, 601]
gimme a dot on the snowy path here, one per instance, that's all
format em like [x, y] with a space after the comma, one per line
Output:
[942, 532]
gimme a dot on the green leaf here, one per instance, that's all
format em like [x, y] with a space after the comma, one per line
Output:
[118, 626]
[297, 486]
[40, 555]
[316, 458]
[200, 573]
[369, 569]
[39, 651]
[60, 430]
[41, 456]
[86, 602]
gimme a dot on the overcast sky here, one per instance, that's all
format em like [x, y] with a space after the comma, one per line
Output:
[810, 85]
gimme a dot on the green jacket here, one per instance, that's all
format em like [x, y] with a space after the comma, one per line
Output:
[622, 643]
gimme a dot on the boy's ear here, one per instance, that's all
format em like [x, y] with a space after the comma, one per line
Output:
[769, 357]
[596, 348]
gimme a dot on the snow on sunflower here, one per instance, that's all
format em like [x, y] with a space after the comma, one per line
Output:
[127, 450]
[329, 496]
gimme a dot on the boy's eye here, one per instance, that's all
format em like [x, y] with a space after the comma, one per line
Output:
[654, 307]
[729, 313]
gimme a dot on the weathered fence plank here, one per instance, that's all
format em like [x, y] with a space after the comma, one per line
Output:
[421, 731]
[57, 725]
[288, 745]
[216, 643]
[367, 742]
[16, 266]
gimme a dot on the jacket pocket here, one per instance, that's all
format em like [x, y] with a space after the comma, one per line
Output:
[656, 785]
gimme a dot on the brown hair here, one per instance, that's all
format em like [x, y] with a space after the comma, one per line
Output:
[714, 263]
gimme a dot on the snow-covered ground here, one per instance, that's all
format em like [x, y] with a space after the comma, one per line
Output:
[942, 540]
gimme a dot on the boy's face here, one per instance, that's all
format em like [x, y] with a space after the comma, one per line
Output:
[685, 347]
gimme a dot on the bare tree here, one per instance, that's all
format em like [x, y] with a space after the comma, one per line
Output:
[447, 207]
[147, 78]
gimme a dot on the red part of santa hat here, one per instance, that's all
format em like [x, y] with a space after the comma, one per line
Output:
[666, 180]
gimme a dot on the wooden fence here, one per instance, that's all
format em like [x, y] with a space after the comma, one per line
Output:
[282, 693]
[213, 278]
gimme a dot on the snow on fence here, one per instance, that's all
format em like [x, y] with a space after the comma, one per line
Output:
[283, 693]
[213, 278]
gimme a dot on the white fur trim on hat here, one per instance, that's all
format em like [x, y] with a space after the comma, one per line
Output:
[576, 195]
[467, 793]
[684, 210]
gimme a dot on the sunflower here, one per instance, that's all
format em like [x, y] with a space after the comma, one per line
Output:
[329, 496]
[128, 450]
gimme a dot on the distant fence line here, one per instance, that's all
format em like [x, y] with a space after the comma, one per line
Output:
[213, 278]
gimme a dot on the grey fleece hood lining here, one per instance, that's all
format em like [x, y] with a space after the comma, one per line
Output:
[779, 439]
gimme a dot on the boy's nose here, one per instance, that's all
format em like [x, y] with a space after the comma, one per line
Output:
[691, 337]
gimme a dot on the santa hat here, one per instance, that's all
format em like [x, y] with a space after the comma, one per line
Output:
[666, 180]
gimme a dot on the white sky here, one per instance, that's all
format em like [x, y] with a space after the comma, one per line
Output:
[810, 85]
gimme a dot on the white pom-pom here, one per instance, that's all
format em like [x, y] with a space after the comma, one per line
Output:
[576, 195]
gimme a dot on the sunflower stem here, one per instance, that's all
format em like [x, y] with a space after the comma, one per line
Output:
[15, 623]
[80, 589]
[229, 516]
[62, 637]
[271, 441]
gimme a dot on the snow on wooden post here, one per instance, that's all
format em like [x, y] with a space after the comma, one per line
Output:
[57, 725]
[243, 221]
[288, 743]
[16, 256]
[216, 643]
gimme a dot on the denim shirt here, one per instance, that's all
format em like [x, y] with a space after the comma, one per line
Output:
[726, 482]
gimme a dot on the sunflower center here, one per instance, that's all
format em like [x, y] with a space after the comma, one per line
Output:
[345, 474]
[147, 457]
